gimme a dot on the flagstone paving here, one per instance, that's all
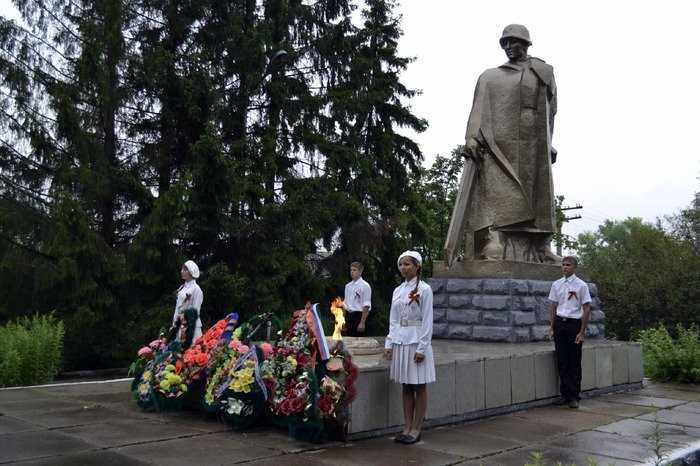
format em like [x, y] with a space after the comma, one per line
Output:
[99, 424]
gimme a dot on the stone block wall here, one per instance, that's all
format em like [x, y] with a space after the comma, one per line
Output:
[499, 309]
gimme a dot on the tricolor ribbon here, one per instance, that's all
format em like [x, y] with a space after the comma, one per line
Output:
[314, 322]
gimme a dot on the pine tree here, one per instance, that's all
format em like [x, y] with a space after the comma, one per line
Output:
[374, 160]
[138, 134]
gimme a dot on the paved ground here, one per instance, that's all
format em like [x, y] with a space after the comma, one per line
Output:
[98, 424]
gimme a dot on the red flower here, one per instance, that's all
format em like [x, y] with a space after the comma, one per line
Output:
[178, 366]
[352, 373]
[297, 404]
[303, 360]
[350, 394]
[202, 359]
[292, 406]
[325, 404]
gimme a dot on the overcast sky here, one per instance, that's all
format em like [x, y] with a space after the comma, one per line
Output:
[627, 128]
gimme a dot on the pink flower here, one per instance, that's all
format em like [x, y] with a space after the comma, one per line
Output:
[267, 349]
[145, 352]
[155, 344]
[235, 344]
[243, 349]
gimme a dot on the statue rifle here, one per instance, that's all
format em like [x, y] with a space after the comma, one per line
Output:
[456, 231]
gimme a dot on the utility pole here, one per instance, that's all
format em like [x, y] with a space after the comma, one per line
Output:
[560, 221]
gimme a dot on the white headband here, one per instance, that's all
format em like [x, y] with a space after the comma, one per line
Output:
[192, 267]
[416, 255]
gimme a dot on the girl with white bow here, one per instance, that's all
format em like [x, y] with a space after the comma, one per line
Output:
[408, 344]
[189, 295]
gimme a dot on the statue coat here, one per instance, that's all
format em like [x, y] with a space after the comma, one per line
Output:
[512, 117]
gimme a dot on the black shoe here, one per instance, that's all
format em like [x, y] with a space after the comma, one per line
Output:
[400, 438]
[410, 440]
[573, 404]
[560, 402]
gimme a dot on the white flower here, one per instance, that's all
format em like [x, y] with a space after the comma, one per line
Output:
[235, 406]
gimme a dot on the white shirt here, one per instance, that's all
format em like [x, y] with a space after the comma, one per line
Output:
[190, 295]
[570, 294]
[358, 294]
[410, 321]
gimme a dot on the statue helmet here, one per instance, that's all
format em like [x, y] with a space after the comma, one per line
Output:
[517, 31]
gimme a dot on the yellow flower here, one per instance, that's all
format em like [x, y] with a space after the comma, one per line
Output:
[165, 385]
[170, 368]
[183, 387]
[147, 376]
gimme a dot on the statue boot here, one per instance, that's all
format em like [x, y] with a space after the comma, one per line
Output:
[546, 254]
[493, 248]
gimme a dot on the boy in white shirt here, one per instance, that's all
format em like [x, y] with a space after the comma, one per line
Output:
[570, 310]
[357, 301]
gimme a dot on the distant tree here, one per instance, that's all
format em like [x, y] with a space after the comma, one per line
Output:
[436, 189]
[646, 276]
[560, 239]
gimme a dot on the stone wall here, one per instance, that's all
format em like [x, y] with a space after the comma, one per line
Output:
[476, 380]
[499, 309]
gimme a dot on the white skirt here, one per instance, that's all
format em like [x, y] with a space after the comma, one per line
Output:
[405, 370]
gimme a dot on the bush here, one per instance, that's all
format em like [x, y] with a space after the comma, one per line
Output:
[669, 359]
[31, 350]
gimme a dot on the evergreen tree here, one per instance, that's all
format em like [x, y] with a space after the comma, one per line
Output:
[437, 189]
[138, 134]
[372, 160]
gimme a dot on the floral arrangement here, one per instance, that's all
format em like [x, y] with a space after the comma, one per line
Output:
[243, 395]
[240, 382]
[221, 372]
[144, 355]
[168, 381]
[288, 371]
[337, 391]
[160, 386]
[197, 357]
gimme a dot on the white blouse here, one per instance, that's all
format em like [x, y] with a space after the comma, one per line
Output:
[190, 295]
[410, 321]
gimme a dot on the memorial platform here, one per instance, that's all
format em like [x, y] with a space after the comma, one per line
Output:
[476, 380]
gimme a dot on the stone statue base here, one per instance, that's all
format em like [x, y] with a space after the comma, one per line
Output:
[501, 307]
[501, 269]
[359, 346]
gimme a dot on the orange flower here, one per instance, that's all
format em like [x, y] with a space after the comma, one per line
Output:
[202, 359]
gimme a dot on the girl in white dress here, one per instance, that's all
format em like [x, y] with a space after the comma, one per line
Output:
[408, 344]
[189, 295]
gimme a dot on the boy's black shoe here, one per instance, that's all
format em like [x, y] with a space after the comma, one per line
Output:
[560, 402]
[573, 404]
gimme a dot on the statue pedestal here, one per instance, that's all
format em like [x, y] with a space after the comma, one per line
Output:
[500, 269]
[499, 301]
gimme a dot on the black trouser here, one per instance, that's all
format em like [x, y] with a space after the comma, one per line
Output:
[568, 356]
[351, 322]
